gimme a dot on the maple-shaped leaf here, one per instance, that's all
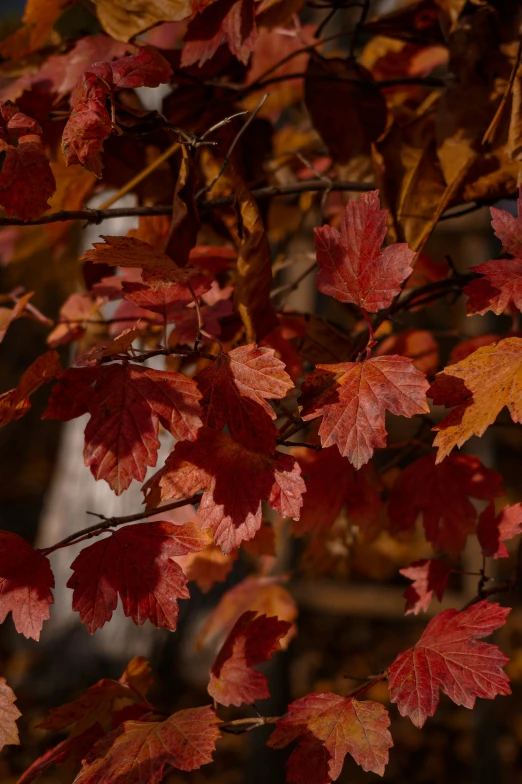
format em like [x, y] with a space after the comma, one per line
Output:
[15, 403]
[467, 347]
[26, 177]
[70, 751]
[495, 529]
[138, 751]
[95, 707]
[124, 20]
[353, 398]
[352, 266]
[126, 403]
[358, 490]
[235, 481]
[341, 725]
[265, 595]
[500, 286]
[136, 564]
[430, 576]
[88, 126]
[215, 23]
[442, 493]
[449, 658]
[38, 21]
[145, 68]
[253, 640]
[9, 713]
[236, 387]
[26, 579]
[508, 228]
[477, 389]
[131, 252]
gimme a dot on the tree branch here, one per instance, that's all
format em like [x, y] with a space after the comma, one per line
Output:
[113, 522]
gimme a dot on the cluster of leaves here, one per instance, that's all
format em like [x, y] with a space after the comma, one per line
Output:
[242, 374]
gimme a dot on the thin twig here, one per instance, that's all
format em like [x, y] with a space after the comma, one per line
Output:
[230, 150]
[114, 522]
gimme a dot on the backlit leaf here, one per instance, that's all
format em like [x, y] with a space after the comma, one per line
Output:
[493, 530]
[253, 640]
[15, 403]
[353, 398]
[136, 564]
[449, 658]
[430, 576]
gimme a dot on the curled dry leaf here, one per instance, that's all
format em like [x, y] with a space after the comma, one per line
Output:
[9, 713]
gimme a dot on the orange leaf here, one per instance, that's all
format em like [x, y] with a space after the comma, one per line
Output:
[9, 713]
[15, 403]
[477, 389]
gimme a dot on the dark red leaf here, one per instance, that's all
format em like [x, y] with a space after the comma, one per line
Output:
[430, 576]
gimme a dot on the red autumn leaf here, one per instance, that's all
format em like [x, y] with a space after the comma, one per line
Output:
[126, 403]
[448, 658]
[493, 530]
[442, 493]
[236, 387]
[253, 640]
[266, 595]
[26, 178]
[215, 23]
[96, 706]
[135, 563]
[9, 713]
[353, 398]
[26, 580]
[477, 388]
[167, 299]
[417, 344]
[508, 228]
[430, 576]
[8, 315]
[71, 750]
[352, 266]
[88, 126]
[15, 403]
[235, 481]
[357, 490]
[145, 68]
[131, 252]
[138, 751]
[500, 286]
[342, 725]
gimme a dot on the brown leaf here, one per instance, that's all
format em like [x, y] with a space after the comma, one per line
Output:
[124, 19]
